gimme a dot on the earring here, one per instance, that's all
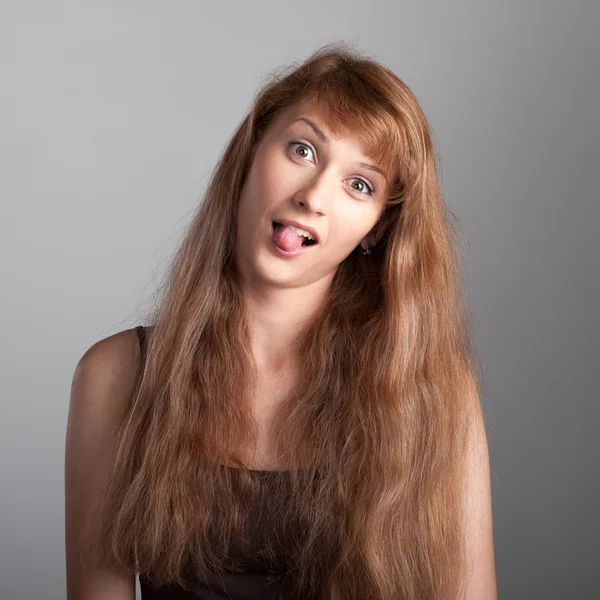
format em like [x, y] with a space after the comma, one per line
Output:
[367, 250]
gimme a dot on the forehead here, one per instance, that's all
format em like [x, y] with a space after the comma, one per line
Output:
[317, 112]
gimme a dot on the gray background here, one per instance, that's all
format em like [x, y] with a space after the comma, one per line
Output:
[112, 115]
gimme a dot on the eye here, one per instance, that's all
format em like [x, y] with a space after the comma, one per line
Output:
[301, 149]
[362, 187]
[300, 146]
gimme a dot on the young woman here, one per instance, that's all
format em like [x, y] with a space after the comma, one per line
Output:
[301, 419]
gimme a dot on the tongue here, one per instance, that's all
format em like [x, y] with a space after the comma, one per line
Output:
[286, 239]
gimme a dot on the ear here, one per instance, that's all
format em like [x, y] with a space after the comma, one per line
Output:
[369, 239]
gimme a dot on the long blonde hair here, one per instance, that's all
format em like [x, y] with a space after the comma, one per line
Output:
[386, 396]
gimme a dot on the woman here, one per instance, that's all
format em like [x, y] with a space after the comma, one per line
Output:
[302, 419]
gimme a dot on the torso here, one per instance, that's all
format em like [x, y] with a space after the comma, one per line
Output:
[272, 387]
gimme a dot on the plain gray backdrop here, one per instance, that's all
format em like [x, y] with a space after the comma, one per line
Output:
[112, 115]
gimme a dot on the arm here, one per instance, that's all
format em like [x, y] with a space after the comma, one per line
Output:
[101, 382]
[481, 573]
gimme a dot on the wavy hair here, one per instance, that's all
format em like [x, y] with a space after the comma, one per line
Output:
[376, 429]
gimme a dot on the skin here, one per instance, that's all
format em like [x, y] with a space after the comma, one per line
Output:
[318, 182]
[314, 182]
[317, 186]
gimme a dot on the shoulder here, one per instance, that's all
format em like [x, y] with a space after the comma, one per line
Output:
[102, 384]
[103, 380]
[108, 365]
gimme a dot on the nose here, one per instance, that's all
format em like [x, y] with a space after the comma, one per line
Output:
[315, 193]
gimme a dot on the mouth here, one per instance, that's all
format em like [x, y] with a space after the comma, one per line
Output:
[287, 242]
[305, 242]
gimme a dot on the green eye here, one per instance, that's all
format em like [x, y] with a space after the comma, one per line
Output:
[365, 189]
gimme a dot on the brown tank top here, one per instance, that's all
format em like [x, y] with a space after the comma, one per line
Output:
[255, 577]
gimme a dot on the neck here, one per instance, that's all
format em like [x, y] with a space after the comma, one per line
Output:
[276, 318]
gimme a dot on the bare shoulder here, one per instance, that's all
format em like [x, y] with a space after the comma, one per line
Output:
[102, 382]
[110, 362]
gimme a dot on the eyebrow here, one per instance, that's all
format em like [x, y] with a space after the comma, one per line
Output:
[325, 140]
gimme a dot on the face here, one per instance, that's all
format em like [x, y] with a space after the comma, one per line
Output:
[302, 173]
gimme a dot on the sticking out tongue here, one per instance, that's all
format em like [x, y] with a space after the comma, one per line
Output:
[287, 239]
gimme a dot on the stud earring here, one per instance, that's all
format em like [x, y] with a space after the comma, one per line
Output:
[367, 250]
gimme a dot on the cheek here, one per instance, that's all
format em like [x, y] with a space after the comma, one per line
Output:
[348, 227]
[273, 176]
[254, 192]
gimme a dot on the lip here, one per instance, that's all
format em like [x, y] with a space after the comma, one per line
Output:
[282, 252]
[300, 226]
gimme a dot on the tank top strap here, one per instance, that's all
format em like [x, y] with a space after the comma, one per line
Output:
[141, 333]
